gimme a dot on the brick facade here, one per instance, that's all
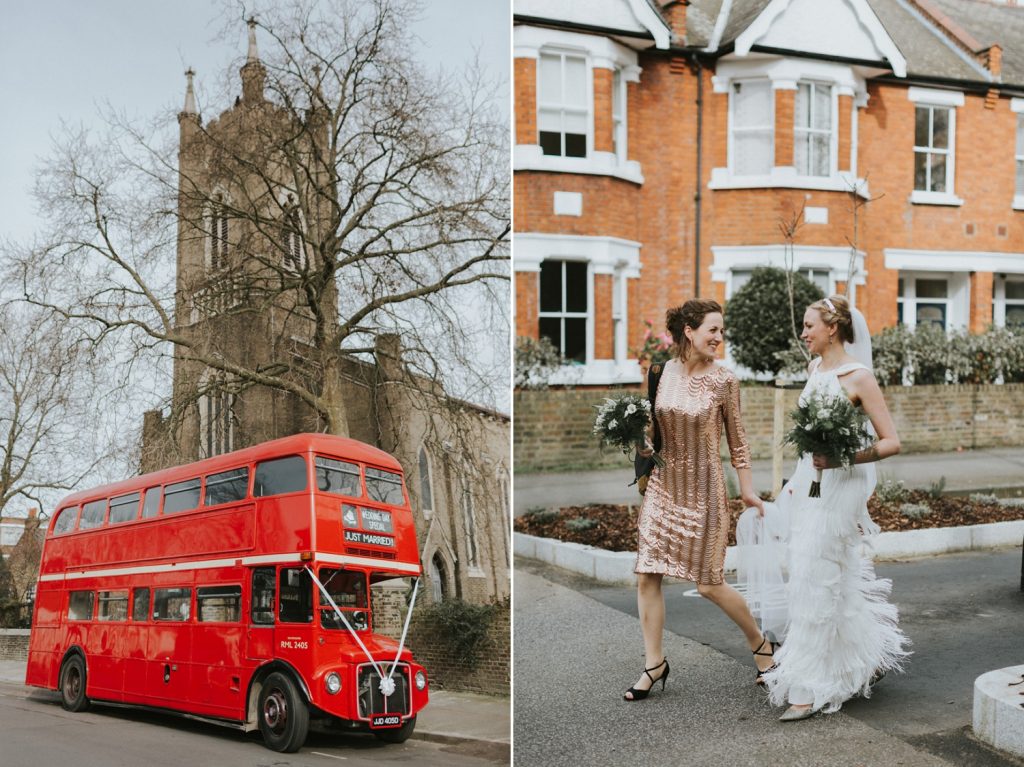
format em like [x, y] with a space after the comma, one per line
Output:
[14, 644]
[970, 237]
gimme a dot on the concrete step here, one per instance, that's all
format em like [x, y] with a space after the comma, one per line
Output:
[999, 709]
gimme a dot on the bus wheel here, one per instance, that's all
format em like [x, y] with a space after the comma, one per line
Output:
[72, 684]
[398, 734]
[283, 713]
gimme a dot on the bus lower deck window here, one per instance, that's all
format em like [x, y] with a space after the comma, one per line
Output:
[80, 605]
[221, 604]
[295, 596]
[140, 605]
[172, 604]
[113, 606]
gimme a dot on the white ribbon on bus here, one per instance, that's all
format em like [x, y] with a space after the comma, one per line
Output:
[387, 684]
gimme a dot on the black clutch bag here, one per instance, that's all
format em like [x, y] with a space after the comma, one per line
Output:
[642, 466]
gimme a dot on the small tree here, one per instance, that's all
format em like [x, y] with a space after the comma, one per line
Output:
[758, 319]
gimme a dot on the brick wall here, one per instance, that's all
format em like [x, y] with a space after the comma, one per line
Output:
[13, 644]
[445, 670]
[553, 428]
[433, 651]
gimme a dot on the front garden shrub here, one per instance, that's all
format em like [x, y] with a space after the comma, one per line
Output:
[759, 320]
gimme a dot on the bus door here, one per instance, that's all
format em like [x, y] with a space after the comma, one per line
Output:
[260, 631]
[137, 647]
[217, 650]
[293, 633]
[168, 672]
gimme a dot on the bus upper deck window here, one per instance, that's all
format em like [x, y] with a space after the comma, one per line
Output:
[92, 514]
[334, 476]
[384, 486]
[227, 486]
[281, 475]
[124, 508]
[65, 520]
[151, 505]
[181, 496]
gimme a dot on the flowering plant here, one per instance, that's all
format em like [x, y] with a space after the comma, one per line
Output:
[830, 425]
[622, 423]
[656, 347]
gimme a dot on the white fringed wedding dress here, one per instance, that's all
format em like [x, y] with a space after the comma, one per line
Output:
[842, 630]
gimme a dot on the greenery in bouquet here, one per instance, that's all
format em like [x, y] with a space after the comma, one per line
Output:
[656, 348]
[622, 422]
[829, 425]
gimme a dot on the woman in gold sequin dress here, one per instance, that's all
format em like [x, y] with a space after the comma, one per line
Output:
[684, 520]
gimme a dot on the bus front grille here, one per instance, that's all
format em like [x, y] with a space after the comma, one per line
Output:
[371, 701]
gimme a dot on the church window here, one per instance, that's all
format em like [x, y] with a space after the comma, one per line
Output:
[469, 517]
[217, 236]
[426, 491]
[438, 578]
[216, 421]
[294, 247]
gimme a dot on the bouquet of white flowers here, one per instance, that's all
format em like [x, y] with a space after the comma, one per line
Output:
[622, 423]
[829, 425]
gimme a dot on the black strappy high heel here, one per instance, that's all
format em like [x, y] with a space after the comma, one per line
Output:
[759, 676]
[641, 694]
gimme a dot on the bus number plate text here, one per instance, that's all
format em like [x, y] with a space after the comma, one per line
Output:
[380, 721]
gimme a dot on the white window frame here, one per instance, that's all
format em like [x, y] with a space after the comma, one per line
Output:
[1000, 302]
[736, 88]
[1017, 108]
[562, 109]
[929, 98]
[601, 53]
[909, 299]
[810, 131]
[612, 256]
[619, 125]
[563, 314]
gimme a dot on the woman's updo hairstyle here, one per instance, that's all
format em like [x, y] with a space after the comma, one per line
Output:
[689, 315]
[835, 310]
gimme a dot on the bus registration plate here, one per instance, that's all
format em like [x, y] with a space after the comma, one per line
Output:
[383, 721]
[377, 521]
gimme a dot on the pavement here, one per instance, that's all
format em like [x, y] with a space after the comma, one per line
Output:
[962, 471]
[450, 717]
[578, 647]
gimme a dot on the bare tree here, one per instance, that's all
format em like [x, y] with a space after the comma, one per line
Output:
[46, 385]
[344, 196]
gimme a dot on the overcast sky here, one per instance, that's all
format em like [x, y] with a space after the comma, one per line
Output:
[63, 59]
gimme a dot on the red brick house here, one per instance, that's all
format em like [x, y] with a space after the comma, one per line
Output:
[660, 145]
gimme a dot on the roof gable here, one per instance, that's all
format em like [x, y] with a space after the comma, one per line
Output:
[836, 28]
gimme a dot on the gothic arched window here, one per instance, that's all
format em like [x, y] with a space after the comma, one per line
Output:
[216, 419]
[217, 234]
[438, 578]
[426, 488]
[293, 239]
[469, 518]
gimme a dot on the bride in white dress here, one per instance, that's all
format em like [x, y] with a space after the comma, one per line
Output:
[842, 632]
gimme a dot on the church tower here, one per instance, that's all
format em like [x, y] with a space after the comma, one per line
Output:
[247, 229]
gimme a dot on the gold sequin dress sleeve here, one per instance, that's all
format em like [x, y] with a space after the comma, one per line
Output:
[684, 519]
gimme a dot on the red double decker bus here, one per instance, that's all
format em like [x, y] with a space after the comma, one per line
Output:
[235, 590]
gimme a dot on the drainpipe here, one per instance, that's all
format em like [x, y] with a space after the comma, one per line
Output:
[697, 197]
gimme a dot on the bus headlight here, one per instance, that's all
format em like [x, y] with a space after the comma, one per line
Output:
[421, 680]
[333, 683]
